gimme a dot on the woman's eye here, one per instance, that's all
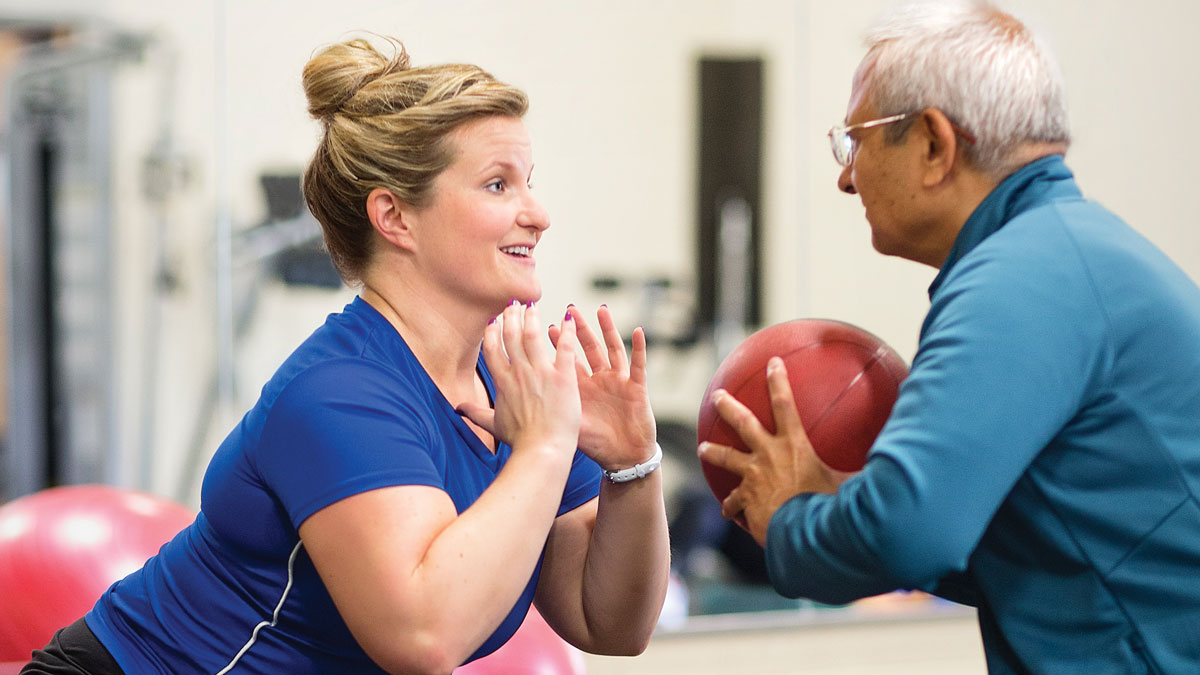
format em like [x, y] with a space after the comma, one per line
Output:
[495, 186]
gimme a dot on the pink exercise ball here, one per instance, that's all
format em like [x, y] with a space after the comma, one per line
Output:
[535, 649]
[62, 547]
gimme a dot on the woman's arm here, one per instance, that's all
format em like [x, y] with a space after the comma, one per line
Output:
[604, 576]
[607, 563]
[420, 586]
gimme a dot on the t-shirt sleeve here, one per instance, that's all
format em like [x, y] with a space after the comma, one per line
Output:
[583, 483]
[341, 428]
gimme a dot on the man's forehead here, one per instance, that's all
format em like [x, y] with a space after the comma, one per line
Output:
[858, 108]
[859, 84]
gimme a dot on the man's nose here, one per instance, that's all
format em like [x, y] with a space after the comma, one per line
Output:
[845, 182]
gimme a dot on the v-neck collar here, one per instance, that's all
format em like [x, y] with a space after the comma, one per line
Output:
[396, 348]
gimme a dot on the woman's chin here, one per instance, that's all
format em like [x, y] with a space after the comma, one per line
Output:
[522, 296]
[530, 294]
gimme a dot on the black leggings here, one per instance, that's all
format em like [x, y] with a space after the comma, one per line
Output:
[73, 650]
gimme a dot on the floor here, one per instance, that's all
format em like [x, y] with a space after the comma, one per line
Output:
[944, 642]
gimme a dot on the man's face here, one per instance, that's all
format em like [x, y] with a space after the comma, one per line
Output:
[886, 178]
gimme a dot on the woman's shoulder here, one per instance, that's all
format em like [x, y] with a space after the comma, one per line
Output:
[355, 343]
[347, 380]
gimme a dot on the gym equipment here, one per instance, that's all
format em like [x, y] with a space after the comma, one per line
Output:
[535, 649]
[844, 379]
[62, 547]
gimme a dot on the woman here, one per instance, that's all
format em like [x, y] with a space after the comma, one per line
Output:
[399, 494]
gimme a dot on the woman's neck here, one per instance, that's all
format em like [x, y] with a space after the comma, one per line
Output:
[447, 352]
[447, 349]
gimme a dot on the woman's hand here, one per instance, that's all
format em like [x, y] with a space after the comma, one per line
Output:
[537, 394]
[618, 427]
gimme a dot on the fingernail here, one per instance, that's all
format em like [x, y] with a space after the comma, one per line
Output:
[702, 448]
[718, 395]
[514, 303]
[773, 364]
[529, 304]
[492, 321]
[568, 317]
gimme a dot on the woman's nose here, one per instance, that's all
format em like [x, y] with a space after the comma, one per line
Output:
[533, 215]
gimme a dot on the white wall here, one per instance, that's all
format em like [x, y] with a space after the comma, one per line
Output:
[613, 92]
[612, 118]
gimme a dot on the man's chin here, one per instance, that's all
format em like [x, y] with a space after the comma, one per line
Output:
[880, 245]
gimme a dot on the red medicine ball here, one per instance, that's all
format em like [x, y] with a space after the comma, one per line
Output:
[844, 379]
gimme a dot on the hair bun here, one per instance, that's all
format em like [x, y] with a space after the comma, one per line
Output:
[336, 73]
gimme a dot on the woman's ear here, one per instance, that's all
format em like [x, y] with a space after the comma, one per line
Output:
[391, 217]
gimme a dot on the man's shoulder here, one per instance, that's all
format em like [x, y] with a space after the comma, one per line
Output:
[1054, 233]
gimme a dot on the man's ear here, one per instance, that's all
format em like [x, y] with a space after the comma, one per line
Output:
[390, 217]
[941, 145]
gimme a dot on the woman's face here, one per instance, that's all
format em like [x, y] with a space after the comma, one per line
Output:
[477, 236]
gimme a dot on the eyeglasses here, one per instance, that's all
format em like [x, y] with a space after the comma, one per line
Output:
[842, 142]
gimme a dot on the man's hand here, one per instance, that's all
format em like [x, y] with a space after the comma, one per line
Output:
[778, 466]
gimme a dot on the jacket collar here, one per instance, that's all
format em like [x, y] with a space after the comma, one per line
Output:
[1042, 180]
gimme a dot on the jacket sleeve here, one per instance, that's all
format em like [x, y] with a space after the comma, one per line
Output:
[1013, 342]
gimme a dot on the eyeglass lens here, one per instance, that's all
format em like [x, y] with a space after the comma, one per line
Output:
[843, 146]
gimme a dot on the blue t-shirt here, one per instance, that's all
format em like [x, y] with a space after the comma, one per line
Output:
[350, 410]
[1043, 459]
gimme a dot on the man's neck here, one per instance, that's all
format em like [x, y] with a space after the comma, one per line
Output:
[972, 187]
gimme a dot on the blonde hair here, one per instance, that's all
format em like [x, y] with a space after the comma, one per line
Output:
[986, 70]
[385, 125]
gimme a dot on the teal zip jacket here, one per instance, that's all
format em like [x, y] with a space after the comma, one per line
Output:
[1043, 460]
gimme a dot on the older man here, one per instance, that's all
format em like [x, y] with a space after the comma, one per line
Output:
[1043, 460]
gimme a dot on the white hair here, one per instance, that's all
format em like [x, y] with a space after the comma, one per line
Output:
[986, 70]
